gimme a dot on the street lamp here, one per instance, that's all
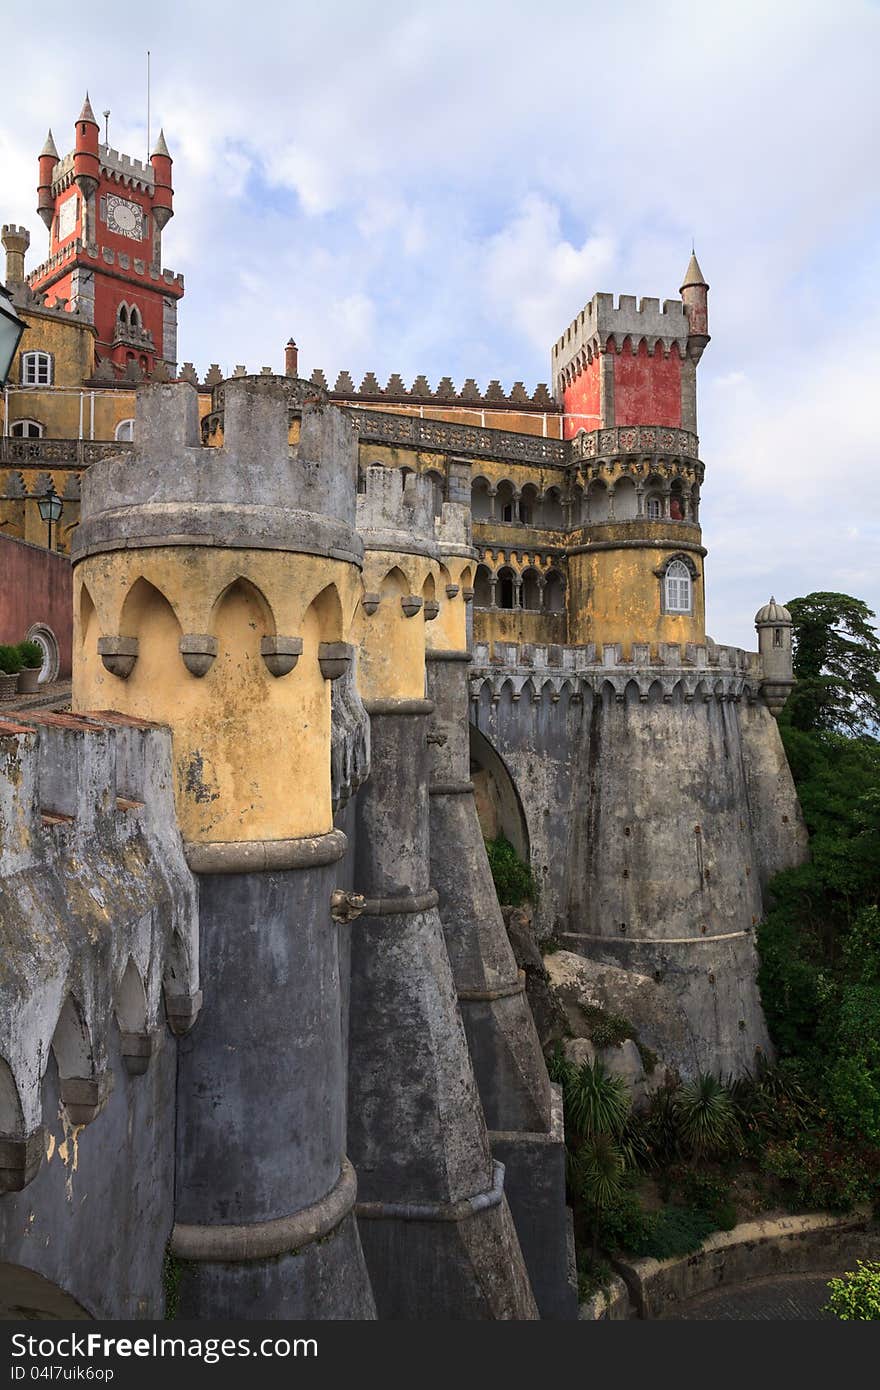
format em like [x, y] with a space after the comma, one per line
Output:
[51, 507]
[11, 329]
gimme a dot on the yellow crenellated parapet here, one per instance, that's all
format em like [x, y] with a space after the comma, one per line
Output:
[215, 590]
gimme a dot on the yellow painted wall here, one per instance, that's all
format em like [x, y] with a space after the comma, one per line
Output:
[614, 595]
[448, 631]
[251, 751]
[392, 646]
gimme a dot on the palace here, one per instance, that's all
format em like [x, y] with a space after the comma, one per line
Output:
[260, 1007]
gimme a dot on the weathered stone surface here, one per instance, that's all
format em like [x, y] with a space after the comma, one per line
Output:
[575, 983]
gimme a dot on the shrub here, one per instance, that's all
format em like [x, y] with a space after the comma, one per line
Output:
[855, 1296]
[514, 882]
[31, 654]
[596, 1102]
[10, 661]
[705, 1116]
[815, 1170]
[663, 1235]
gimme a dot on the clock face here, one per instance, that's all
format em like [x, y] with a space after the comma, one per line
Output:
[125, 218]
[67, 217]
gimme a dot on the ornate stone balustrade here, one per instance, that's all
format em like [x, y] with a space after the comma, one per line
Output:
[708, 672]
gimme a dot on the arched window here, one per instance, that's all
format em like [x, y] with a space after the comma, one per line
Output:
[36, 369]
[125, 431]
[134, 318]
[654, 507]
[122, 315]
[26, 429]
[677, 588]
[530, 592]
[481, 506]
[506, 503]
[482, 587]
[507, 594]
[554, 592]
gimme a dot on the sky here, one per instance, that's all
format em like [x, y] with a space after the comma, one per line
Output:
[440, 188]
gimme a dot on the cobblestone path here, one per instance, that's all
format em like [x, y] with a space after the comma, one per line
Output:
[796, 1297]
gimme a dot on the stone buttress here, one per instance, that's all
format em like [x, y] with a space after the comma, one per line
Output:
[523, 1112]
[435, 1223]
[214, 589]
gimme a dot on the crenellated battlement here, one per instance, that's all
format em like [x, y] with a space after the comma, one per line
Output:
[444, 394]
[254, 490]
[602, 325]
[395, 511]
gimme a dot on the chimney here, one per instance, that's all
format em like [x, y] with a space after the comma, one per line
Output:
[16, 241]
[291, 358]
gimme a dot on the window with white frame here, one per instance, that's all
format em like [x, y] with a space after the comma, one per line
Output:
[654, 508]
[36, 369]
[26, 429]
[125, 431]
[677, 588]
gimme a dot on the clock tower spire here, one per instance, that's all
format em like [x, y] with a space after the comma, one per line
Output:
[106, 213]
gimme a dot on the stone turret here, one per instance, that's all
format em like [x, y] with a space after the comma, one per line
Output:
[214, 592]
[774, 626]
[695, 297]
[48, 158]
[16, 241]
[431, 1198]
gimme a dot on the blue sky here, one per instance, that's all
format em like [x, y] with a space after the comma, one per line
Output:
[440, 188]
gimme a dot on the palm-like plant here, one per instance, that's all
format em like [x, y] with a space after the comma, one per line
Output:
[598, 1177]
[597, 1102]
[706, 1117]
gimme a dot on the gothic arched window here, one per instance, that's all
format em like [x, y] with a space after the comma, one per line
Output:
[125, 431]
[677, 588]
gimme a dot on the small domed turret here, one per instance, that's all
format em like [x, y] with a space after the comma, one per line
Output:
[772, 612]
[774, 625]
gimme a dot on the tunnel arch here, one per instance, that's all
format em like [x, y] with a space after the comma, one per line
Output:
[498, 801]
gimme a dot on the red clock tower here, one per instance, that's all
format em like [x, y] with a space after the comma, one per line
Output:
[105, 213]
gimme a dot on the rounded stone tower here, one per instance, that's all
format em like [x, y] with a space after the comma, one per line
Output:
[774, 626]
[435, 1223]
[214, 591]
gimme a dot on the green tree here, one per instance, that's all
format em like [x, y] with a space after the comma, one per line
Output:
[836, 663]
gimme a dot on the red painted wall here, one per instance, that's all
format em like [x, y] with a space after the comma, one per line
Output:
[647, 390]
[36, 586]
[581, 398]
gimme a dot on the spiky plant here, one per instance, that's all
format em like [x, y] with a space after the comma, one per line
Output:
[597, 1102]
[598, 1177]
[705, 1117]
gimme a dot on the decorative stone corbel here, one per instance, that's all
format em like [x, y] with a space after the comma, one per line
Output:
[345, 907]
[370, 602]
[84, 1097]
[182, 1010]
[20, 1159]
[410, 603]
[467, 595]
[198, 651]
[451, 590]
[137, 1049]
[432, 608]
[334, 659]
[118, 655]
[280, 654]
